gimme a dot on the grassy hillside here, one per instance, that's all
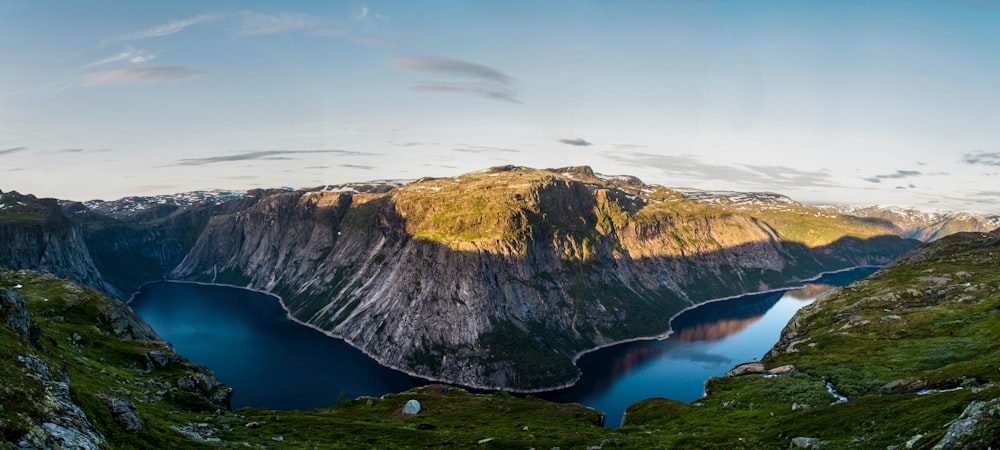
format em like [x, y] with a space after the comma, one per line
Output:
[915, 349]
[912, 348]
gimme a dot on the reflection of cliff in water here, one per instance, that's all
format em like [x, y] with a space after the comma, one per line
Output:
[714, 321]
[810, 291]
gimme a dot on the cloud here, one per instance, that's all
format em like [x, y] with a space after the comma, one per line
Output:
[12, 150]
[54, 87]
[479, 89]
[488, 82]
[579, 142]
[692, 168]
[360, 15]
[984, 158]
[167, 28]
[630, 146]
[143, 75]
[897, 175]
[356, 166]
[256, 24]
[261, 155]
[485, 149]
[451, 66]
[130, 54]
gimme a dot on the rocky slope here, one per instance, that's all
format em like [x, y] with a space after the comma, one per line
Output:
[911, 354]
[35, 234]
[79, 370]
[499, 278]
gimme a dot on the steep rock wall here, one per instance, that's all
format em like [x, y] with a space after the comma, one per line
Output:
[500, 279]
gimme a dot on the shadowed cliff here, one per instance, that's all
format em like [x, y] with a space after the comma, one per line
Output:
[499, 278]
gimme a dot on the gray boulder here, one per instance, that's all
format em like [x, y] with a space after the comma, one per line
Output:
[745, 369]
[124, 413]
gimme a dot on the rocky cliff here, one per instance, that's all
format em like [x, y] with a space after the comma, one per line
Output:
[500, 278]
[35, 234]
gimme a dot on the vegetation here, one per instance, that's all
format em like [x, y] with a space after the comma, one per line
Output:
[912, 347]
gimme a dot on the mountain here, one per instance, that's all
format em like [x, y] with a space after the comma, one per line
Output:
[34, 233]
[925, 226]
[906, 358]
[500, 278]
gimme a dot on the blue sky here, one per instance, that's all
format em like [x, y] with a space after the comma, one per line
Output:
[895, 103]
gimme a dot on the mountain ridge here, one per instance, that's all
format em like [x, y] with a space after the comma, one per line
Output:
[481, 279]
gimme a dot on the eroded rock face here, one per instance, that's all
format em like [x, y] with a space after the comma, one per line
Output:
[45, 240]
[60, 423]
[499, 279]
[14, 315]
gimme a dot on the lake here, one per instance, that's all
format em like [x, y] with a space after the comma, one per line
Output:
[272, 362]
[707, 341]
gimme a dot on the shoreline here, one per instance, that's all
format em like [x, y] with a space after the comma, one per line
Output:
[666, 334]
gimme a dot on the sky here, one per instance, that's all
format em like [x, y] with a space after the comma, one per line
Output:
[851, 102]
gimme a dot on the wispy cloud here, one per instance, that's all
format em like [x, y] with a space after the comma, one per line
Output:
[358, 166]
[478, 89]
[270, 155]
[630, 146]
[130, 54]
[12, 150]
[166, 29]
[983, 158]
[255, 23]
[451, 66]
[485, 149]
[897, 175]
[143, 75]
[488, 82]
[54, 87]
[579, 142]
[686, 168]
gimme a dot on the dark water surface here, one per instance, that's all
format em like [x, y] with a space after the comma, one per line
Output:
[268, 360]
[272, 362]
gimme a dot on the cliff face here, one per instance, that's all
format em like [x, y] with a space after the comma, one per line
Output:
[36, 235]
[499, 278]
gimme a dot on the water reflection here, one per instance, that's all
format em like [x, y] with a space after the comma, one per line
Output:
[811, 291]
[706, 341]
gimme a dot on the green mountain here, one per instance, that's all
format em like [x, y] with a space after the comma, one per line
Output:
[493, 279]
[500, 278]
[912, 352]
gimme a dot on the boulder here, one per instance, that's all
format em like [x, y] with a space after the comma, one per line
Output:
[805, 442]
[745, 369]
[124, 413]
[411, 407]
[783, 370]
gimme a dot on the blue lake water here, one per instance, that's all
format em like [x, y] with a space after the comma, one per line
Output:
[707, 341]
[268, 360]
[272, 362]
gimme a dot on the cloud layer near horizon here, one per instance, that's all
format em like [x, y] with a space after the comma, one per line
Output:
[261, 155]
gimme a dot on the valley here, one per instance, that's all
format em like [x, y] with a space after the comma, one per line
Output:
[495, 280]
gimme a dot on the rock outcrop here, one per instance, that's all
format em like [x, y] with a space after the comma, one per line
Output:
[36, 235]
